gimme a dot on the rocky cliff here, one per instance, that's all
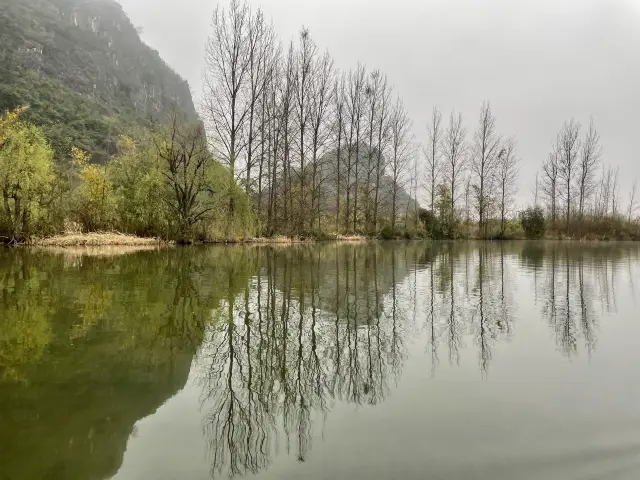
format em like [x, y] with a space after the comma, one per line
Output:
[83, 70]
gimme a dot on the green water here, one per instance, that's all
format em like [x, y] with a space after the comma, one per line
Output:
[388, 361]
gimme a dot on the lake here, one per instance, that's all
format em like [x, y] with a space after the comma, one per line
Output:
[370, 361]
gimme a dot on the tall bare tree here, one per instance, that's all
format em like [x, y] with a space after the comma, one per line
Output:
[484, 160]
[568, 150]
[507, 178]
[261, 57]
[455, 156]
[588, 165]
[226, 100]
[603, 203]
[401, 152]
[550, 183]
[615, 192]
[320, 101]
[372, 92]
[339, 108]
[226, 74]
[384, 110]
[306, 58]
[355, 107]
[467, 202]
[633, 203]
[433, 154]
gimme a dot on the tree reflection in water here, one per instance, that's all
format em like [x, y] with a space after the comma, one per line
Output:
[318, 325]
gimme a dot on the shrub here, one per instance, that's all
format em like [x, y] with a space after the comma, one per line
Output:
[387, 233]
[532, 221]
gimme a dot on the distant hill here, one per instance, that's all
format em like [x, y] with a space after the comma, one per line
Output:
[84, 72]
[328, 168]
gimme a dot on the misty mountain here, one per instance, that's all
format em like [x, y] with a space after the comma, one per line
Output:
[84, 72]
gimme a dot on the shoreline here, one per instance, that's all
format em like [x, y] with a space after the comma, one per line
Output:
[116, 239]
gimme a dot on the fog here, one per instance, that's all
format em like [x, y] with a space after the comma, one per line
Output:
[538, 63]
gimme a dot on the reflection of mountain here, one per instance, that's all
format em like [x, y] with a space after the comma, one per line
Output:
[89, 346]
[349, 281]
[73, 417]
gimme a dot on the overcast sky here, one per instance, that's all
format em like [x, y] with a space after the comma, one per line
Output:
[538, 62]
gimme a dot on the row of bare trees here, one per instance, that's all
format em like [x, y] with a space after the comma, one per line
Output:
[315, 148]
[320, 150]
[481, 171]
[576, 184]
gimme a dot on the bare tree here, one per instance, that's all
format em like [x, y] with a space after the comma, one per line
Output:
[305, 60]
[568, 150]
[355, 110]
[550, 183]
[455, 156]
[261, 57]
[401, 147]
[507, 177]
[467, 202]
[633, 205]
[384, 110]
[588, 164]
[287, 114]
[182, 147]
[371, 100]
[226, 73]
[605, 194]
[376, 94]
[432, 152]
[320, 100]
[484, 160]
[226, 102]
[339, 108]
[615, 192]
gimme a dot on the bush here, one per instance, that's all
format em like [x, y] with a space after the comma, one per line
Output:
[387, 233]
[532, 221]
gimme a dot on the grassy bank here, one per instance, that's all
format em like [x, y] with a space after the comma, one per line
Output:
[116, 239]
[102, 239]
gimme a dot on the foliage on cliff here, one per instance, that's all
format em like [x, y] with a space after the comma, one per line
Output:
[84, 72]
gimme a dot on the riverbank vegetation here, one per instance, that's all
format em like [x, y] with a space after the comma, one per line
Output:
[291, 147]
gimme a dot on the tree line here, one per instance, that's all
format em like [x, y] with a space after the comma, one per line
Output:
[317, 150]
[291, 145]
[321, 150]
[163, 183]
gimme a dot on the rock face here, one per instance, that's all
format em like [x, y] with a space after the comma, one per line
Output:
[83, 55]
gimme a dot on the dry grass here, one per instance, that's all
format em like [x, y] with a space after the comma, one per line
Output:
[279, 239]
[351, 238]
[98, 239]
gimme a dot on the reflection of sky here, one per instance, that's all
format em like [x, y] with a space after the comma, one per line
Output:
[535, 414]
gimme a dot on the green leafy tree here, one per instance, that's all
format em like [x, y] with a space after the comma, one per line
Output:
[139, 189]
[95, 200]
[532, 220]
[26, 175]
[447, 217]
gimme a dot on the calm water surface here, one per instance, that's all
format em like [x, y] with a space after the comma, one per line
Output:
[389, 361]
